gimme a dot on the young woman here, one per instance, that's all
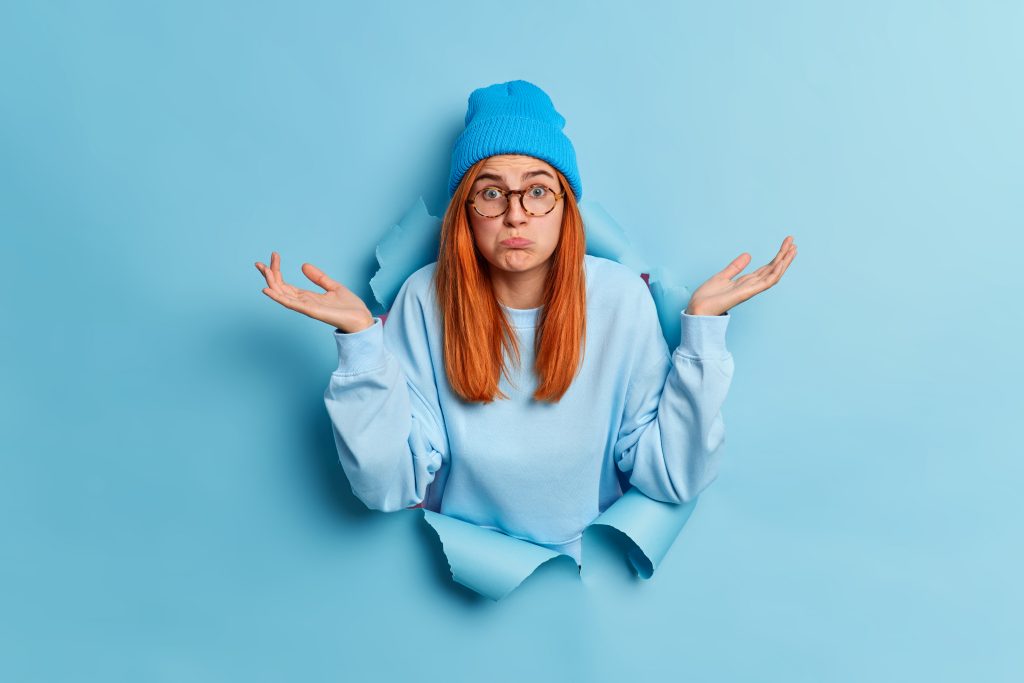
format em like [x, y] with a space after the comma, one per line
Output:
[520, 383]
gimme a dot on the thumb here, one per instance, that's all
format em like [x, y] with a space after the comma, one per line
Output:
[319, 277]
[737, 265]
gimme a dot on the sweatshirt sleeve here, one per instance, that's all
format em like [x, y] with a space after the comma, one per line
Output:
[672, 430]
[384, 408]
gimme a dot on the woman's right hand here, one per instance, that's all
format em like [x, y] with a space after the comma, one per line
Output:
[337, 306]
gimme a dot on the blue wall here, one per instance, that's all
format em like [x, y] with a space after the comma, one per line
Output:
[172, 507]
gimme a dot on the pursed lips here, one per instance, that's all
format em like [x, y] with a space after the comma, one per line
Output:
[516, 242]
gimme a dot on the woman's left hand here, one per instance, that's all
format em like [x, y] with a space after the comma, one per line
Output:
[721, 292]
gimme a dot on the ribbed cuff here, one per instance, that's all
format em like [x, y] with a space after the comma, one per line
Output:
[360, 351]
[703, 336]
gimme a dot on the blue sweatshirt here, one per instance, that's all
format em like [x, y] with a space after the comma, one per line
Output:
[636, 414]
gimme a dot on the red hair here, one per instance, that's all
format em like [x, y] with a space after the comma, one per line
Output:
[476, 332]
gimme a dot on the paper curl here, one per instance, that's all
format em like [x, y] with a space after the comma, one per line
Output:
[408, 246]
[487, 561]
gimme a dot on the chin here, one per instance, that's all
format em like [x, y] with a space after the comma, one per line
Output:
[518, 260]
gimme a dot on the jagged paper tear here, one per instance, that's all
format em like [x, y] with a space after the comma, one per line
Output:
[407, 247]
[492, 563]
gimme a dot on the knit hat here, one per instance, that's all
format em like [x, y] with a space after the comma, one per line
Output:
[515, 117]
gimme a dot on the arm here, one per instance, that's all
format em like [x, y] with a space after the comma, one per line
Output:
[672, 429]
[383, 406]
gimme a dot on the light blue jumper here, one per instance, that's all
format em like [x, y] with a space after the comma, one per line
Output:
[636, 414]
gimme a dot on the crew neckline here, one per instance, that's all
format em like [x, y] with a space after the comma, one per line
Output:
[522, 317]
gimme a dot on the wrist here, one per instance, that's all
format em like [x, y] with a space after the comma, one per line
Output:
[699, 311]
[357, 328]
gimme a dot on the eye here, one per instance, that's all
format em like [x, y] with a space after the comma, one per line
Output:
[538, 191]
[490, 193]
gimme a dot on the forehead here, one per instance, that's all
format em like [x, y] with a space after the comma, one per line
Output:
[514, 165]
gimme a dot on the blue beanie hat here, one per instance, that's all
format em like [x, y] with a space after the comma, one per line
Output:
[515, 117]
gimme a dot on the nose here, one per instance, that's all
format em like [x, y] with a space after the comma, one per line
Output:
[515, 215]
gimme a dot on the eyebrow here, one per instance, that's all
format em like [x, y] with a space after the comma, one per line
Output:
[491, 176]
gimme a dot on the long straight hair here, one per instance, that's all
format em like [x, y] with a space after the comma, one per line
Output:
[477, 333]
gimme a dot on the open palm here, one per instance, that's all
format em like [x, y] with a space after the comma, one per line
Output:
[337, 306]
[721, 292]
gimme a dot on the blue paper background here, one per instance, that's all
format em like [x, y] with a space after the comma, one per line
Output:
[172, 507]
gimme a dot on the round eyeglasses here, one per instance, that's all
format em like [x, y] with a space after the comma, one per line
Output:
[536, 200]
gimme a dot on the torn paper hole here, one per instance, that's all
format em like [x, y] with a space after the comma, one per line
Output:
[487, 561]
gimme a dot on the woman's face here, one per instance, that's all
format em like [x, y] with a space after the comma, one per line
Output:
[516, 172]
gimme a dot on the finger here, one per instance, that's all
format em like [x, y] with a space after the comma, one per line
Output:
[788, 260]
[291, 289]
[762, 272]
[266, 272]
[783, 263]
[275, 267]
[319, 277]
[275, 260]
[276, 283]
[755, 282]
[777, 264]
[753, 275]
[748, 278]
[778, 269]
[783, 250]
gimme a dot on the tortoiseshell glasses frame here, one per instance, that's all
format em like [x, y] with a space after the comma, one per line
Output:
[506, 193]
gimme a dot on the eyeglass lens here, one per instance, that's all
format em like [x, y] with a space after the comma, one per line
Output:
[492, 202]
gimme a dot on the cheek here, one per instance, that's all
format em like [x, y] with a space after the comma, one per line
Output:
[552, 230]
[485, 237]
